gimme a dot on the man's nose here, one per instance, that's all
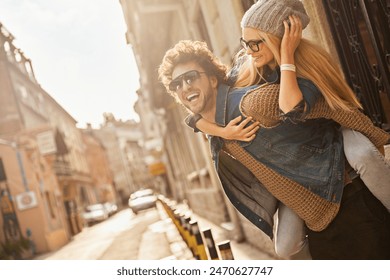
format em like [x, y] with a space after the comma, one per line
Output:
[248, 51]
[185, 85]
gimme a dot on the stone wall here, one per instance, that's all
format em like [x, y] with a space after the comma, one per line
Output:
[208, 203]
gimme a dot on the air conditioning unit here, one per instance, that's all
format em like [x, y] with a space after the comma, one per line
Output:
[26, 200]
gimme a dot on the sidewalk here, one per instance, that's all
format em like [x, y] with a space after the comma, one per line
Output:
[180, 251]
[153, 236]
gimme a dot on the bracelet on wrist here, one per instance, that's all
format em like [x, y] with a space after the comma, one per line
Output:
[287, 67]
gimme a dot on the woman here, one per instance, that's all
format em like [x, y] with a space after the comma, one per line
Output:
[275, 53]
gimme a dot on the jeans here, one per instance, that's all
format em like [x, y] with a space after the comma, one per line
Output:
[290, 238]
[374, 171]
[369, 163]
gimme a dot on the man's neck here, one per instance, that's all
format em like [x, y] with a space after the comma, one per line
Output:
[209, 116]
[209, 112]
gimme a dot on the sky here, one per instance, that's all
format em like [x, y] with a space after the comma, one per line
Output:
[79, 54]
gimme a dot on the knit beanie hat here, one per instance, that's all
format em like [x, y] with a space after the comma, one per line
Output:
[268, 15]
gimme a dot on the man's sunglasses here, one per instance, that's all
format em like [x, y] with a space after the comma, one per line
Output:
[189, 77]
[253, 45]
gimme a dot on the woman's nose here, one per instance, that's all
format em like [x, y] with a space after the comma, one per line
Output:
[249, 51]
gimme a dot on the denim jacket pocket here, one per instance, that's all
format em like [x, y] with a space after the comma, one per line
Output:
[304, 164]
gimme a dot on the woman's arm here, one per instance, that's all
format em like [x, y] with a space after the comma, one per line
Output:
[290, 94]
[234, 130]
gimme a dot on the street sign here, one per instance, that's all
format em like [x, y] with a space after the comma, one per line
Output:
[26, 200]
[157, 168]
[46, 142]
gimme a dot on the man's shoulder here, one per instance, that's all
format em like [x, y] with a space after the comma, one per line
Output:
[240, 91]
[234, 99]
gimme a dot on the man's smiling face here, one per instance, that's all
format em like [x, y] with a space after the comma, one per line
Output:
[195, 89]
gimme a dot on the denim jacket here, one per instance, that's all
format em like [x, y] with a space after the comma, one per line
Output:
[308, 152]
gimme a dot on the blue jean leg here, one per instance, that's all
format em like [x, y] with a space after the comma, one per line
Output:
[290, 237]
[369, 163]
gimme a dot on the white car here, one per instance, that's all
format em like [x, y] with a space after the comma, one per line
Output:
[111, 208]
[95, 213]
[142, 199]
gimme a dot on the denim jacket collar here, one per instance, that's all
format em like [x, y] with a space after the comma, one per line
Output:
[222, 98]
[272, 76]
[216, 143]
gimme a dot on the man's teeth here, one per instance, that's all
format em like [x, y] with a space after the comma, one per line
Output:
[192, 96]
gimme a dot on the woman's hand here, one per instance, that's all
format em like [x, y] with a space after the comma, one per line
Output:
[289, 94]
[236, 130]
[291, 39]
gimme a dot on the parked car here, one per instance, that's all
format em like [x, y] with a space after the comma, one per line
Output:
[142, 199]
[95, 213]
[111, 208]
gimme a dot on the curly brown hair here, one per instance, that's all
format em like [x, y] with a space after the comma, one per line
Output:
[186, 51]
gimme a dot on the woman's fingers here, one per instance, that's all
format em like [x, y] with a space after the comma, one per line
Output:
[286, 28]
[248, 139]
[245, 122]
[296, 25]
[251, 134]
[293, 31]
[293, 26]
[252, 131]
[235, 121]
[247, 128]
[251, 127]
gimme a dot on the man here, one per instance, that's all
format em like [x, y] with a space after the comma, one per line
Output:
[197, 80]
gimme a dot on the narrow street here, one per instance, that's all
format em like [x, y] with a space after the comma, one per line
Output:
[121, 237]
[149, 235]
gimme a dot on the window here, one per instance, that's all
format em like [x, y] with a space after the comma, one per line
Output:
[23, 92]
[50, 202]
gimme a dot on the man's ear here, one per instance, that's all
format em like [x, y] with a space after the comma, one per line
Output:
[214, 81]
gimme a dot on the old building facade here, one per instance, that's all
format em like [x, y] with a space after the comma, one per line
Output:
[99, 169]
[122, 143]
[43, 156]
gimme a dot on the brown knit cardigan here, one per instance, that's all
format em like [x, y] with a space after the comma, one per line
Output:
[262, 104]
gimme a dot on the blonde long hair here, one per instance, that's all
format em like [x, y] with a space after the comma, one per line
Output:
[312, 63]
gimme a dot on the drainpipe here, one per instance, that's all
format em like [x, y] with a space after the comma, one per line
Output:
[14, 145]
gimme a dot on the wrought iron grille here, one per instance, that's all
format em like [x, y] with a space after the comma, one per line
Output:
[361, 30]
